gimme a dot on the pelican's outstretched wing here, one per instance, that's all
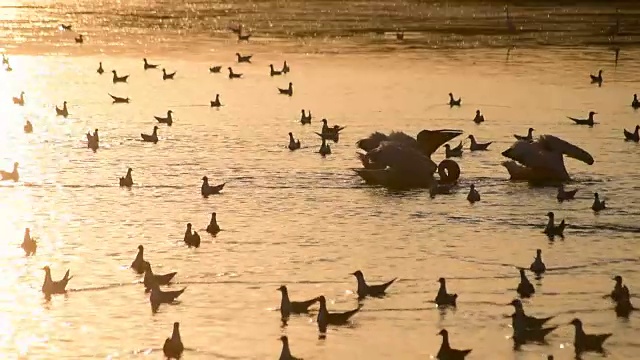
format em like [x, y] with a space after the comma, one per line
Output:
[431, 140]
[554, 143]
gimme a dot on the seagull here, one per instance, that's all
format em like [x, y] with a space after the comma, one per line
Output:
[273, 71]
[293, 144]
[288, 307]
[19, 100]
[246, 58]
[565, 195]
[305, 119]
[191, 239]
[365, 290]
[118, 79]
[159, 297]
[173, 347]
[285, 354]
[139, 265]
[453, 152]
[523, 332]
[62, 112]
[119, 100]
[65, 27]
[597, 79]
[326, 318]
[215, 69]
[635, 103]
[530, 322]
[597, 204]
[148, 66]
[93, 141]
[583, 342]
[288, 91]
[233, 75]
[479, 117]
[619, 291]
[528, 138]
[551, 229]
[325, 149]
[330, 133]
[453, 102]
[474, 195]
[446, 352]
[50, 287]
[166, 76]
[151, 138]
[285, 67]
[475, 146]
[207, 189]
[588, 121]
[632, 136]
[28, 127]
[216, 103]
[443, 298]
[525, 287]
[100, 69]
[14, 175]
[166, 120]
[150, 277]
[127, 181]
[79, 39]
[29, 244]
[213, 227]
[537, 266]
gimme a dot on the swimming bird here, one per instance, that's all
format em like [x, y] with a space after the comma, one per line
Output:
[159, 297]
[623, 306]
[453, 152]
[635, 103]
[305, 119]
[215, 69]
[551, 229]
[213, 227]
[443, 298]
[28, 127]
[167, 76]
[619, 291]
[173, 347]
[166, 120]
[50, 287]
[64, 111]
[474, 195]
[446, 352]
[13, 175]
[127, 181]
[285, 354]
[119, 79]
[597, 204]
[326, 318]
[191, 239]
[242, 37]
[537, 266]
[632, 136]
[365, 289]
[522, 331]
[243, 59]
[233, 75]
[148, 66]
[330, 133]
[274, 72]
[597, 79]
[476, 146]
[19, 100]
[453, 102]
[65, 27]
[139, 265]
[119, 100]
[207, 189]
[479, 117]
[285, 67]
[93, 141]
[325, 149]
[565, 195]
[288, 307]
[293, 144]
[288, 91]
[100, 69]
[29, 245]
[583, 342]
[150, 277]
[530, 322]
[528, 137]
[151, 138]
[79, 39]
[588, 121]
[216, 103]
[525, 287]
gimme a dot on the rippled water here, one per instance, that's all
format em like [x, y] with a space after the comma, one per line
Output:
[293, 217]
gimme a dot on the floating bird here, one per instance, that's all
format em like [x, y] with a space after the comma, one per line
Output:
[619, 291]
[325, 149]
[28, 127]
[293, 144]
[446, 352]
[523, 333]
[166, 76]
[244, 37]
[528, 138]
[243, 59]
[65, 27]
[139, 265]
[100, 69]
[213, 227]
[305, 119]
[79, 39]
[453, 152]
[127, 181]
[151, 138]
[119, 100]
[588, 121]
[62, 112]
[19, 100]
[233, 75]
[551, 229]
[93, 141]
[623, 306]
[288, 307]
[150, 277]
[166, 120]
[565, 195]
[50, 287]
[453, 102]
[119, 79]
[474, 195]
[173, 347]
[274, 72]
[476, 146]
[215, 69]
[285, 354]
[479, 117]
[330, 133]
[191, 239]
[148, 66]
[326, 318]
[632, 136]
[29, 245]
[14, 175]
[365, 290]
[216, 102]
[525, 287]
[207, 189]
[288, 91]
[583, 342]
[285, 67]
[635, 103]
[596, 79]
[159, 297]
[530, 322]
[597, 204]
[443, 298]
[537, 266]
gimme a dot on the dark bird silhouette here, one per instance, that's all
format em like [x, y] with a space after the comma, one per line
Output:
[100, 69]
[19, 100]
[285, 354]
[159, 297]
[619, 291]
[215, 69]
[537, 266]
[598, 205]
[330, 133]
[139, 265]
[28, 127]
[325, 149]
[293, 144]
[173, 347]
[166, 120]
[216, 103]
[13, 175]
[167, 76]
[213, 228]
[64, 111]
[148, 66]
[191, 239]
[326, 318]
[528, 137]
[285, 67]
[288, 307]
[79, 39]
[150, 277]
[529, 322]
[588, 121]
[119, 100]
[443, 298]
[233, 75]
[635, 103]
[453, 102]
[65, 27]
[525, 287]
[29, 245]
[476, 146]
[565, 195]
[93, 141]
[50, 287]
[551, 229]
[127, 180]
[243, 59]
[596, 79]
[479, 117]
[151, 138]
[119, 79]
[583, 342]
[632, 136]
[522, 334]
[365, 289]
[288, 91]
[304, 118]
[273, 71]
[448, 353]
[207, 189]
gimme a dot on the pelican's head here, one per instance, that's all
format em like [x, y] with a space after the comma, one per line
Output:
[155, 128]
[516, 303]
[443, 333]
[539, 252]
[576, 322]
[617, 279]
[324, 121]
[472, 187]
[595, 195]
[591, 113]
[357, 274]
[204, 178]
[441, 280]
[550, 214]
[188, 226]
